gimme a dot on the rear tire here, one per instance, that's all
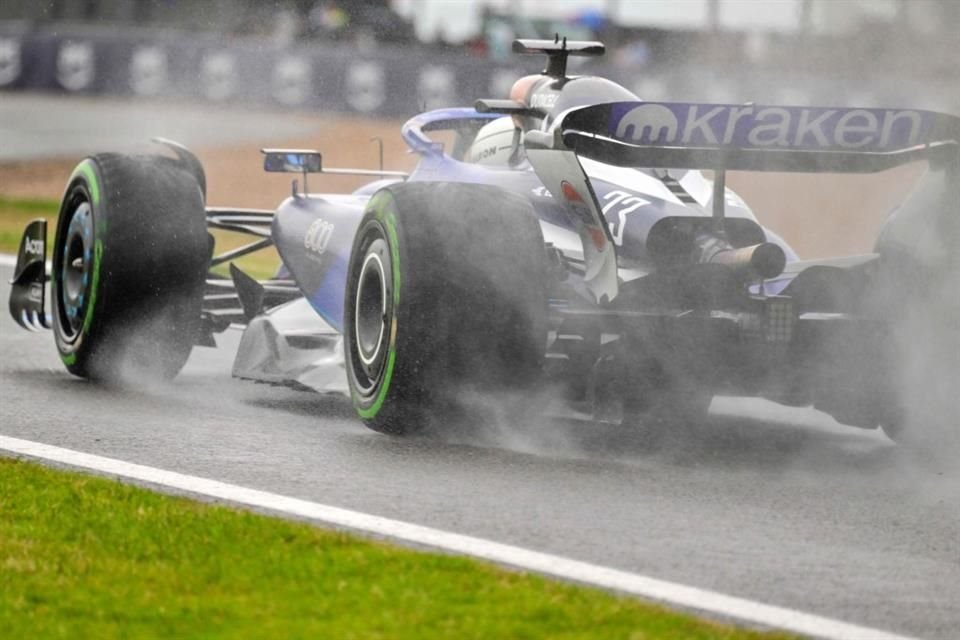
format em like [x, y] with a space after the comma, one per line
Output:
[919, 397]
[446, 295]
[129, 264]
[915, 295]
[928, 359]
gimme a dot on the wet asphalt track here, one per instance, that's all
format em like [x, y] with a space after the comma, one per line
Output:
[779, 506]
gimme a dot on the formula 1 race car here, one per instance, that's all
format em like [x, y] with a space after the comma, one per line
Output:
[567, 238]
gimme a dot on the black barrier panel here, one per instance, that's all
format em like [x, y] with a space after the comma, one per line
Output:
[81, 64]
[114, 77]
[42, 72]
[385, 81]
[183, 63]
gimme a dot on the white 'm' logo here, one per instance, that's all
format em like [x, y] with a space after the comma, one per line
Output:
[9, 60]
[218, 73]
[291, 80]
[75, 65]
[148, 70]
[365, 86]
[437, 87]
[653, 121]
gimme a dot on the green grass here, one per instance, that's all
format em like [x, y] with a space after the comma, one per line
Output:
[15, 213]
[86, 557]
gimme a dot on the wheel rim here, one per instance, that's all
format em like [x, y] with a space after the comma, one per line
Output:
[75, 267]
[372, 309]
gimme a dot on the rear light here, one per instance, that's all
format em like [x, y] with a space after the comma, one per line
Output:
[779, 319]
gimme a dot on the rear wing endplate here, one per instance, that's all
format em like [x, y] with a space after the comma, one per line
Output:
[749, 137]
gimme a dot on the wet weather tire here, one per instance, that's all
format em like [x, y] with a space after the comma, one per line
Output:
[915, 296]
[446, 295]
[129, 264]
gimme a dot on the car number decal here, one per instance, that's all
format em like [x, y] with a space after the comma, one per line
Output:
[318, 237]
[620, 204]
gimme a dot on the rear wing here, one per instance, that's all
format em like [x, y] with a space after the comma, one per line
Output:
[721, 137]
[751, 137]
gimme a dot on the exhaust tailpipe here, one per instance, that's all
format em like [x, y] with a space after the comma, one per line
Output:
[764, 260]
[767, 260]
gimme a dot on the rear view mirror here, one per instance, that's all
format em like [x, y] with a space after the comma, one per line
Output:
[292, 161]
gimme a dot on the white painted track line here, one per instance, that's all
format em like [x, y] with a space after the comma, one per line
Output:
[7, 261]
[678, 595]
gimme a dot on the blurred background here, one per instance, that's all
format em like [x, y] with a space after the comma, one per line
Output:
[229, 76]
[395, 57]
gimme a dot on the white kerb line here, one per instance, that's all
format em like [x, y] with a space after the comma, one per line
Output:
[651, 588]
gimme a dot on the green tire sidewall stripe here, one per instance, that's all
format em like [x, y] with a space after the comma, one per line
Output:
[87, 171]
[383, 207]
[94, 287]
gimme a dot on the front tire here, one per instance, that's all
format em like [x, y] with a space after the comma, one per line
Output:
[446, 295]
[129, 264]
